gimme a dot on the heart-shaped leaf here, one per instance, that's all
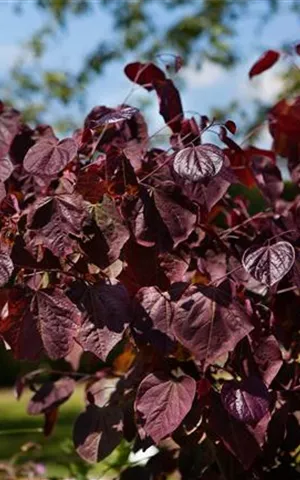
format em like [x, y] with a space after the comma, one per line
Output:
[162, 403]
[247, 401]
[197, 163]
[6, 268]
[6, 169]
[47, 158]
[269, 264]
[97, 432]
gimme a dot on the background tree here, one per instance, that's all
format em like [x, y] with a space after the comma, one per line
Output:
[197, 30]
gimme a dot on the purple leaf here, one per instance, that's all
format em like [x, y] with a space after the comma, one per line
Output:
[6, 169]
[170, 106]
[247, 401]
[6, 268]
[47, 157]
[176, 214]
[162, 403]
[197, 163]
[112, 227]
[97, 432]
[50, 395]
[153, 317]
[144, 74]
[53, 220]
[117, 115]
[234, 434]
[106, 314]
[9, 126]
[58, 320]
[269, 264]
[268, 358]
[209, 323]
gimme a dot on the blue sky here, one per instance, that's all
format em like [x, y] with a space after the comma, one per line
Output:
[211, 86]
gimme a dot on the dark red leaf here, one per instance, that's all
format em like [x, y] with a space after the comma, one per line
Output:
[233, 433]
[6, 169]
[266, 61]
[153, 317]
[53, 220]
[58, 320]
[162, 403]
[179, 218]
[170, 106]
[97, 432]
[112, 227]
[51, 395]
[6, 268]
[297, 49]
[269, 264]
[144, 74]
[268, 357]
[209, 322]
[9, 126]
[247, 401]
[106, 314]
[231, 126]
[19, 328]
[48, 157]
[50, 421]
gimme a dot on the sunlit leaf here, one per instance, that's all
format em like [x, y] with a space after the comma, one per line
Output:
[269, 264]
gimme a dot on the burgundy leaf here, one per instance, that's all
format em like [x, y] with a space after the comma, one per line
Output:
[209, 323]
[266, 61]
[58, 320]
[50, 420]
[234, 434]
[6, 169]
[247, 401]
[162, 403]
[51, 395]
[197, 163]
[170, 106]
[19, 328]
[9, 126]
[153, 317]
[2, 191]
[269, 264]
[48, 157]
[97, 432]
[144, 74]
[297, 49]
[106, 314]
[179, 218]
[112, 227]
[53, 221]
[118, 115]
[231, 126]
[268, 357]
[6, 268]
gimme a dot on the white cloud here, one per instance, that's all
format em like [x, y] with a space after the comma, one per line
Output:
[208, 75]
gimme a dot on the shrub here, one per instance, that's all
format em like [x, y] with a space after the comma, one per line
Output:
[144, 258]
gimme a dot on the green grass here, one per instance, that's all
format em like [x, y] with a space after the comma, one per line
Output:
[57, 451]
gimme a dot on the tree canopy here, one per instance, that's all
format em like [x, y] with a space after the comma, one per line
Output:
[196, 30]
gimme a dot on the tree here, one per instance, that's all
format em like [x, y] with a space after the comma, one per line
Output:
[196, 30]
[149, 263]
